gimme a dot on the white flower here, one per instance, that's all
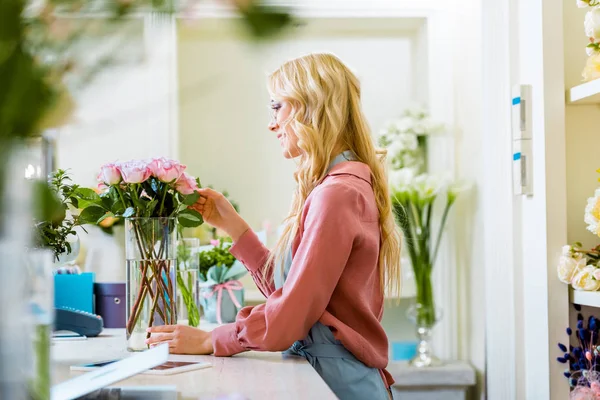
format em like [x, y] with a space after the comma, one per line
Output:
[592, 213]
[411, 160]
[408, 141]
[417, 111]
[566, 251]
[583, 3]
[592, 23]
[401, 179]
[427, 186]
[590, 51]
[395, 148]
[568, 267]
[389, 128]
[403, 125]
[584, 279]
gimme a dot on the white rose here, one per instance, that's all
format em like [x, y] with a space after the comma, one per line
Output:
[592, 23]
[583, 3]
[568, 267]
[584, 280]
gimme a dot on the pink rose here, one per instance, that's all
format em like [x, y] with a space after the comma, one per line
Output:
[215, 242]
[186, 184]
[102, 187]
[166, 170]
[134, 171]
[109, 174]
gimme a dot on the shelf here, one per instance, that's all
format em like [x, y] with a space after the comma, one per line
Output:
[586, 93]
[583, 298]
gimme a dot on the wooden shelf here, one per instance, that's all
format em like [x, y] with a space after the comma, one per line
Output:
[583, 298]
[586, 93]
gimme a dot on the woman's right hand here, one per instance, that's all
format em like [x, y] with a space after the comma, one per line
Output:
[217, 211]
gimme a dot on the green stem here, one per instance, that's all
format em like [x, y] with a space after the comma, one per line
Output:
[190, 305]
[121, 196]
[162, 203]
[441, 230]
[426, 311]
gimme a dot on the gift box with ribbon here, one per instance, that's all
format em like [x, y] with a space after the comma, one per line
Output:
[222, 294]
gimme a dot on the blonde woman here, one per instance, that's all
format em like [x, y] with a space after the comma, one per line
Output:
[325, 279]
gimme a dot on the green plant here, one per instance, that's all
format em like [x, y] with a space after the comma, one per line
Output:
[218, 255]
[54, 233]
[413, 204]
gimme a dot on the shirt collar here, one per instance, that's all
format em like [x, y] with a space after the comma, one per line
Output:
[356, 168]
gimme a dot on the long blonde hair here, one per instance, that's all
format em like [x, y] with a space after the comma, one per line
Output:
[326, 115]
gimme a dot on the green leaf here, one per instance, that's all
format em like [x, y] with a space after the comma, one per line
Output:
[86, 194]
[118, 209]
[263, 20]
[87, 197]
[48, 206]
[191, 199]
[150, 208]
[91, 215]
[189, 218]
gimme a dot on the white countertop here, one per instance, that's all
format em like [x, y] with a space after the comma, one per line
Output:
[255, 375]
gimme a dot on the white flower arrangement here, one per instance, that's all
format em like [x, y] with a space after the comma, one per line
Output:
[405, 139]
[591, 26]
[579, 267]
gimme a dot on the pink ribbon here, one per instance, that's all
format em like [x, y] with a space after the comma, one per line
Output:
[229, 286]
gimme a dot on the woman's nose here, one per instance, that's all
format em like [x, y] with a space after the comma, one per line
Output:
[273, 126]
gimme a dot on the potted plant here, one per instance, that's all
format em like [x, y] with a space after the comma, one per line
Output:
[219, 270]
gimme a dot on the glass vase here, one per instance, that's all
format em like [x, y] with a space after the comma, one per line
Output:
[188, 265]
[151, 256]
[425, 315]
[40, 283]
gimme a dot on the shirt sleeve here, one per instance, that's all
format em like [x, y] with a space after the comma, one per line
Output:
[250, 251]
[331, 227]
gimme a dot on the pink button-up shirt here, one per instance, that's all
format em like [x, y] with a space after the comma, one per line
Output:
[333, 279]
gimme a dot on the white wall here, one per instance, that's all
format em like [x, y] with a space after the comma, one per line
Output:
[224, 102]
[468, 217]
[125, 112]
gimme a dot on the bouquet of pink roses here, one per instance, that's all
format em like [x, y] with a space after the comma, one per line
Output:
[153, 197]
[154, 188]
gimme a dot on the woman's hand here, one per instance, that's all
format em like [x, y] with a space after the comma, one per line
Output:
[218, 212]
[182, 339]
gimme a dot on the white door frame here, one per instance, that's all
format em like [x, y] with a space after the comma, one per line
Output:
[526, 306]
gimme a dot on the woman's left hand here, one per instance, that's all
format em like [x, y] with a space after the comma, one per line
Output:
[182, 339]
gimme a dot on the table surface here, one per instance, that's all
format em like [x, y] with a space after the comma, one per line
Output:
[254, 375]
